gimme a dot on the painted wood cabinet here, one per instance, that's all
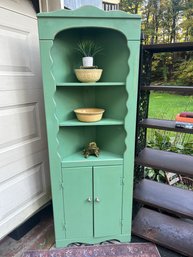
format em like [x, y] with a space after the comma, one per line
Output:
[92, 197]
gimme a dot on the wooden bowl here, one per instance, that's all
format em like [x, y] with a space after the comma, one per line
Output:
[89, 114]
[88, 75]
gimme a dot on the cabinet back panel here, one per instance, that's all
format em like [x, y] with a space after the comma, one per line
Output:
[75, 139]
[111, 138]
[66, 58]
[67, 99]
[112, 99]
[114, 58]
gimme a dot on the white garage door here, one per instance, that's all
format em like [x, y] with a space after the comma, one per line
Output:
[24, 173]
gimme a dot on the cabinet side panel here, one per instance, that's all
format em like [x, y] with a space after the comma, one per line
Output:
[52, 132]
[130, 127]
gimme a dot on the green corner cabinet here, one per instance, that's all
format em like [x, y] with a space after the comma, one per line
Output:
[92, 197]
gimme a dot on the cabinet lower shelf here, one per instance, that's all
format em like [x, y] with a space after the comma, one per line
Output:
[105, 158]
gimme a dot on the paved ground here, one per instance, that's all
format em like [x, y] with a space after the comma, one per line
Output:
[42, 237]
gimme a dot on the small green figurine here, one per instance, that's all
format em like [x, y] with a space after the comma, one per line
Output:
[91, 149]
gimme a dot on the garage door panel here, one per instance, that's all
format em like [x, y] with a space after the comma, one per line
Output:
[18, 124]
[29, 181]
[28, 185]
[15, 57]
[19, 55]
[24, 171]
[21, 126]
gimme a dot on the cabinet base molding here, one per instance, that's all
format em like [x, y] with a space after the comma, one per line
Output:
[65, 242]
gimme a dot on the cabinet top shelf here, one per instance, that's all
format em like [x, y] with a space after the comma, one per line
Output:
[79, 84]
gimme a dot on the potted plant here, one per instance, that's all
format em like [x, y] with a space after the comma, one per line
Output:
[88, 49]
[88, 73]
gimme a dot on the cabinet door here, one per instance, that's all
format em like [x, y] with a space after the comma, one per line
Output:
[107, 200]
[77, 194]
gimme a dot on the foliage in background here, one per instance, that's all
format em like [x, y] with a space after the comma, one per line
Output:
[173, 68]
[163, 21]
[163, 141]
[166, 21]
[177, 143]
[166, 106]
[184, 72]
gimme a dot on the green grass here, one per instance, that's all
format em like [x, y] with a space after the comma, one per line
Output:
[166, 106]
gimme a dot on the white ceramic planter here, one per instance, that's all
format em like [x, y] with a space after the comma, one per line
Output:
[87, 61]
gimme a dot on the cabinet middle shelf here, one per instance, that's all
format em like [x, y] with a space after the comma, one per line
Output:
[105, 158]
[103, 122]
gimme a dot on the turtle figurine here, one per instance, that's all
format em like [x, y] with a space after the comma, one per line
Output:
[91, 149]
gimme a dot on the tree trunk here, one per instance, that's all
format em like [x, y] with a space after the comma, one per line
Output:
[173, 30]
[136, 8]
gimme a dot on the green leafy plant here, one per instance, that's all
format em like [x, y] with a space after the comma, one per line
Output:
[88, 48]
[155, 174]
[178, 143]
[160, 141]
[163, 141]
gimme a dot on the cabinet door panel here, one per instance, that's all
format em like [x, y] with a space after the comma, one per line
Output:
[107, 200]
[77, 188]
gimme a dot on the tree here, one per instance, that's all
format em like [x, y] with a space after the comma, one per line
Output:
[166, 21]
[131, 6]
[163, 21]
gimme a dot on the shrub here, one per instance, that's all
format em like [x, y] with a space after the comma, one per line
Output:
[162, 141]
